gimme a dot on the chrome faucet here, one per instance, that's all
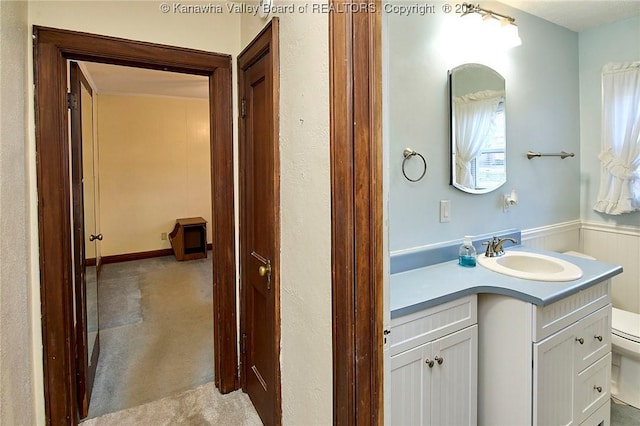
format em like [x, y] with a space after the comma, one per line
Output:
[494, 246]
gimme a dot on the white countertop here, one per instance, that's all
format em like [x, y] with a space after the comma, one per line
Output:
[421, 288]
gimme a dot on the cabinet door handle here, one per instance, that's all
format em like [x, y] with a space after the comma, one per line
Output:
[598, 388]
[429, 362]
[580, 340]
[598, 337]
[439, 359]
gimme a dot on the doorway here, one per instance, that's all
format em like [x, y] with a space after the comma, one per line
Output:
[52, 50]
[152, 166]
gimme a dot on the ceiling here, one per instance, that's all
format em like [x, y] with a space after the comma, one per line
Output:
[576, 15]
[118, 79]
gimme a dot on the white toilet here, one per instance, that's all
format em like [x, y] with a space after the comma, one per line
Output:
[625, 362]
[625, 348]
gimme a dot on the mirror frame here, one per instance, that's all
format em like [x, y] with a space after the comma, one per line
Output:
[452, 174]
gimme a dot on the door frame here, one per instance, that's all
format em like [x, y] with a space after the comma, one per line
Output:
[267, 41]
[52, 49]
[355, 59]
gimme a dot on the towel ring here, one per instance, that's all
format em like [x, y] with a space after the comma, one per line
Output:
[408, 153]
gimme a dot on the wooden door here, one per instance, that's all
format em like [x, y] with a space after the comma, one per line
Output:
[86, 332]
[259, 227]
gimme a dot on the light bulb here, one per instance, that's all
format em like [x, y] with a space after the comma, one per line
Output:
[509, 36]
[472, 18]
[490, 23]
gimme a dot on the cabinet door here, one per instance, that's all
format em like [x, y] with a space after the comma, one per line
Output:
[454, 382]
[553, 378]
[409, 383]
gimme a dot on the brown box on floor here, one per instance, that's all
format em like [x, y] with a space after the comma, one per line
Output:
[189, 238]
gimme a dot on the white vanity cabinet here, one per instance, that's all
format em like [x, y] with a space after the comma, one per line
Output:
[545, 365]
[434, 365]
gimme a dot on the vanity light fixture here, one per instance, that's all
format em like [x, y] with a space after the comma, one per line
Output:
[494, 28]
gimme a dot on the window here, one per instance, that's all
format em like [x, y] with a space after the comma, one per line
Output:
[489, 167]
[620, 156]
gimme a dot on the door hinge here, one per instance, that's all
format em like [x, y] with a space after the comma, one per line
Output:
[244, 343]
[243, 108]
[72, 101]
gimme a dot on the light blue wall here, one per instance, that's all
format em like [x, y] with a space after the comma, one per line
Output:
[542, 115]
[617, 42]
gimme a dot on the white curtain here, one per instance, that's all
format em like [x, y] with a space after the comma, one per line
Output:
[474, 115]
[620, 156]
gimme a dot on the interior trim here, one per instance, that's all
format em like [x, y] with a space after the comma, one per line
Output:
[633, 231]
[126, 257]
[356, 207]
[52, 49]
[551, 230]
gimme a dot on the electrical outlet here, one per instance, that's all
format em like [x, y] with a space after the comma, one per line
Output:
[163, 236]
[445, 210]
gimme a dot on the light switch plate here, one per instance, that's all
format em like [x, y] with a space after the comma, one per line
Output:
[445, 210]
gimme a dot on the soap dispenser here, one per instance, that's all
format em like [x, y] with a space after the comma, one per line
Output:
[467, 253]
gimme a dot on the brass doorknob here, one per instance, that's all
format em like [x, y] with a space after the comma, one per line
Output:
[264, 270]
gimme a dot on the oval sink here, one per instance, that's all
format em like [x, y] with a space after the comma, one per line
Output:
[531, 266]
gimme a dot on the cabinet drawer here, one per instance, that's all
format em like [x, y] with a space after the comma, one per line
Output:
[558, 315]
[421, 327]
[601, 417]
[595, 333]
[592, 388]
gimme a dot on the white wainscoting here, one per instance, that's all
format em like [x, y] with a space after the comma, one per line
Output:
[559, 237]
[619, 245]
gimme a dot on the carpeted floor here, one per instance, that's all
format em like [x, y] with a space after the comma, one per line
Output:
[156, 332]
[197, 407]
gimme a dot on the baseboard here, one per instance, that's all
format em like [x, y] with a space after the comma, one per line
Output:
[117, 258]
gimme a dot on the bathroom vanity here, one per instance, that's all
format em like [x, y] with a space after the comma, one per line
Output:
[472, 346]
[434, 365]
[545, 365]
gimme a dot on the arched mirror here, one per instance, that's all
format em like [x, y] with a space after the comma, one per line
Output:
[478, 129]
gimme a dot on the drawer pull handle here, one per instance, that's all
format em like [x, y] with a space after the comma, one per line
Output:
[598, 388]
[580, 340]
[598, 337]
[439, 359]
[429, 362]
